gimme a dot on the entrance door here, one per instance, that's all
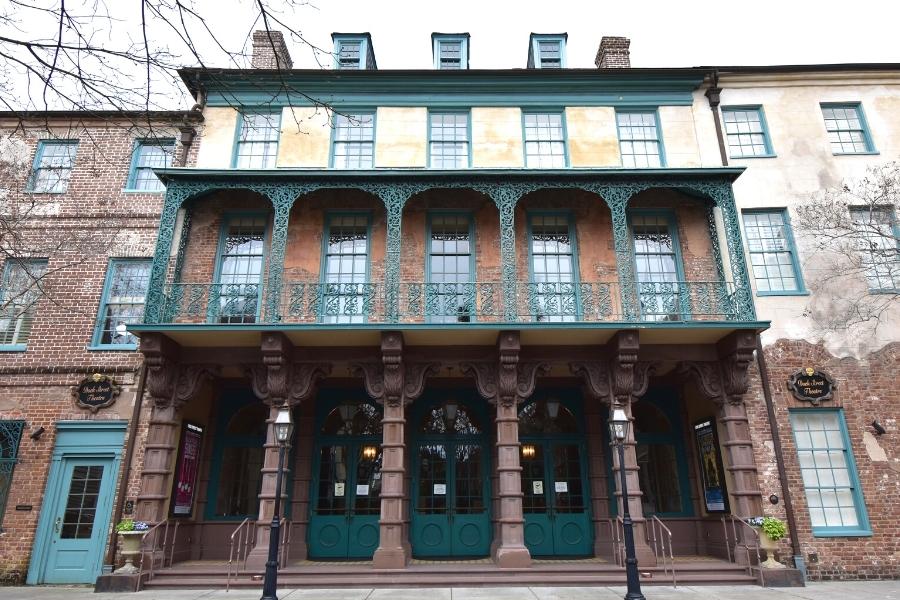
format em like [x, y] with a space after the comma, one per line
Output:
[555, 501]
[80, 521]
[450, 516]
[346, 498]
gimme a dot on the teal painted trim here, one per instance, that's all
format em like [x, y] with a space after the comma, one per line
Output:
[96, 344]
[340, 40]
[13, 348]
[565, 132]
[864, 528]
[792, 246]
[438, 39]
[535, 60]
[112, 348]
[672, 223]
[356, 111]
[213, 311]
[654, 110]
[576, 271]
[257, 109]
[470, 216]
[867, 133]
[468, 113]
[323, 262]
[135, 156]
[767, 138]
[39, 154]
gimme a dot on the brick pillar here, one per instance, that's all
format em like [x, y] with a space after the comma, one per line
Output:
[393, 550]
[260, 552]
[159, 450]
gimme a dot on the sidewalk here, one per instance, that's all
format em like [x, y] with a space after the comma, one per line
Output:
[849, 590]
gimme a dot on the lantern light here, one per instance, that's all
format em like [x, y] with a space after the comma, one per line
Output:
[284, 426]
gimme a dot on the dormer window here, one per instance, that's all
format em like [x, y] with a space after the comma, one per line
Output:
[450, 50]
[353, 51]
[547, 51]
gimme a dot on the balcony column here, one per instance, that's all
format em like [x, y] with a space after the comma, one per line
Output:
[155, 302]
[723, 196]
[617, 197]
[282, 198]
[394, 198]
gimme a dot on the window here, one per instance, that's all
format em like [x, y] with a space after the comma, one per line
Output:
[18, 300]
[53, 165]
[354, 141]
[149, 155]
[451, 51]
[448, 140]
[746, 132]
[257, 144]
[772, 253]
[661, 455]
[347, 296]
[123, 302]
[353, 51]
[847, 129]
[348, 54]
[639, 139]
[828, 471]
[450, 291]
[657, 267]
[10, 435]
[238, 456]
[545, 140]
[552, 292]
[877, 240]
[235, 295]
[547, 51]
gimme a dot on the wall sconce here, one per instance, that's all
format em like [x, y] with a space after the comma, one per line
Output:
[370, 452]
[528, 451]
[450, 410]
[552, 407]
[879, 430]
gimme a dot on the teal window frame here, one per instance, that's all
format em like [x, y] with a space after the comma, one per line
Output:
[10, 438]
[672, 224]
[790, 249]
[565, 136]
[764, 131]
[238, 143]
[214, 311]
[468, 114]
[96, 343]
[139, 145]
[576, 269]
[323, 267]
[863, 529]
[535, 57]
[365, 52]
[438, 40]
[36, 167]
[863, 124]
[352, 115]
[32, 303]
[470, 217]
[867, 235]
[659, 136]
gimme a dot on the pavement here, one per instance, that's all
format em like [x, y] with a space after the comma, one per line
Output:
[844, 590]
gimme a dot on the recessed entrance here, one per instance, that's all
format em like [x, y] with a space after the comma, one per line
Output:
[450, 516]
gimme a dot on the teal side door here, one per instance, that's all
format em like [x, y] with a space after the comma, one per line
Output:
[450, 516]
[74, 524]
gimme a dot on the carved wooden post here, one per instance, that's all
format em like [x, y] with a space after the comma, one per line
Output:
[508, 383]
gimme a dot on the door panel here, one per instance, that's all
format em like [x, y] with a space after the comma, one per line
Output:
[468, 523]
[431, 520]
[538, 524]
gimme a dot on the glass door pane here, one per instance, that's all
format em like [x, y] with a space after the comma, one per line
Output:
[240, 270]
[346, 296]
[656, 268]
[368, 481]
[433, 484]
[552, 295]
[534, 480]
[568, 494]
[333, 484]
[468, 480]
[81, 502]
[450, 292]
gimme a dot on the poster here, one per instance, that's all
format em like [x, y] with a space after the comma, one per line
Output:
[715, 495]
[339, 489]
[537, 487]
[362, 490]
[561, 487]
[186, 470]
[440, 489]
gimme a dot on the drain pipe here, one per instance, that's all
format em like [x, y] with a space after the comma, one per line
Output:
[713, 93]
[126, 471]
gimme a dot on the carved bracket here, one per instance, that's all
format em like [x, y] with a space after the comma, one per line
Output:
[289, 384]
[508, 380]
[394, 380]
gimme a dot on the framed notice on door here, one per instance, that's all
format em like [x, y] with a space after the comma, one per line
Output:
[715, 494]
[186, 468]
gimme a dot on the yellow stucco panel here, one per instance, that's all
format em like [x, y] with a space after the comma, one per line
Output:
[217, 141]
[401, 134]
[305, 137]
[497, 137]
[593, 140]
[679, 136]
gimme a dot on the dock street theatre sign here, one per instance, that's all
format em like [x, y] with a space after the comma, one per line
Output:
[810, 385]
[96, 392]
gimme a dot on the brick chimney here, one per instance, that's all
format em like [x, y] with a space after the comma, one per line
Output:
[613, 53]
[269, 51]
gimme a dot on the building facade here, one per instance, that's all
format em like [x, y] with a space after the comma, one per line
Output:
[452, 277]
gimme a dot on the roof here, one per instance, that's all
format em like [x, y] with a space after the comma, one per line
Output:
[189, 116]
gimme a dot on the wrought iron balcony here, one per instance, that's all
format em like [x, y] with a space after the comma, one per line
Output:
[456, 304]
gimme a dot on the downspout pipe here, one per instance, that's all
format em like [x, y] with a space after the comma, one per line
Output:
[713, 93]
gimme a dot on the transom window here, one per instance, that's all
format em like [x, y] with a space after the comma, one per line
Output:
[828, 471]
[877, 240]
[545, 140]
[639, 139]
[354, 141]
[846, 128]
[149, 155]
[772, 254]
[746, 132]
[21, 290]
[123, 302]
[53, 165]
[450, 289]
[552, 294]
[449, 135]
[656, 267]
[257, 146]
[347, 296]
[240, 269]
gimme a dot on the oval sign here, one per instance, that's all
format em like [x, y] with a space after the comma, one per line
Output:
[811, 385]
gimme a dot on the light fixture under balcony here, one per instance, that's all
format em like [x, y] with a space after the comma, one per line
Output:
[370, 452]
[552, 407]
[528, 451]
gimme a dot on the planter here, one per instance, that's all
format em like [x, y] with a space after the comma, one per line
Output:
[131, 547]
[770, 546]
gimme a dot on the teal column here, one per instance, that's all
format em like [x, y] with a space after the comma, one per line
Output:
[506, 197]
[156, 297]
[282, 198]
[617, 197]
[724, 198]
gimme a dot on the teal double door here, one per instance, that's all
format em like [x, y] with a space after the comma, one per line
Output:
[450, 491]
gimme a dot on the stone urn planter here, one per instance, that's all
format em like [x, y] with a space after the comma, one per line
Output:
[770, 546]
[131, 547]
[767, 528]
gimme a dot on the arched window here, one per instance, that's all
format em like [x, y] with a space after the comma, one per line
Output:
[546, 417]
[450, 418]
[661, 454]
[350, 418]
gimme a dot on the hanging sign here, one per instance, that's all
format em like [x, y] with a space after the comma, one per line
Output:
[96, 392]
[810, 385]
[714, 493]
[186, 469]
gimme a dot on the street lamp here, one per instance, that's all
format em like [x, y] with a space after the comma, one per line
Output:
[618, 429]
[283, 427]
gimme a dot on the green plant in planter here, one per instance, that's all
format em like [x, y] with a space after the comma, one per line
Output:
[774, 529]
[126, 525]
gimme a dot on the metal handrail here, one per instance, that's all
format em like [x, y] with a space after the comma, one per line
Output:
[619, 529]
[242, 536]
[660, 537]
[734, 531]
[167, 548]
[285, 530]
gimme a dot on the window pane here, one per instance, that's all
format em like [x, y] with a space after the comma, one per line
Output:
[54, 168]
[878, 246]
[354, 141]
[240, 270]
[449, 140]
[346, 293]
[746, 136]
[639, 142]
[771, 251]
[18, 299]
[257, 146]
[545, 144]
[845, 129]
[552, 296]
[126, 289]
[151, 156]
[450, 293]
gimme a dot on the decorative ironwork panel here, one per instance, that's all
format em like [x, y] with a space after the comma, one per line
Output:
[10, 435]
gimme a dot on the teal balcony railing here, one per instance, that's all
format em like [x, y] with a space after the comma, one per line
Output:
[453, 303]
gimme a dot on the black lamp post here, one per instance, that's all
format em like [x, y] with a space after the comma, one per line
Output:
[618, 428]
[284, 427]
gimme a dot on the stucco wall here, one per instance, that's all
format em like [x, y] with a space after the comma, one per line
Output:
[497, 137]
[305, 138]
[401, 135]
[217, 139]
[593, 139]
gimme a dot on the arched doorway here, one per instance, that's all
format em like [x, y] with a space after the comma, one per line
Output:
[450, 512]
[346, 490]
[554, 478]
